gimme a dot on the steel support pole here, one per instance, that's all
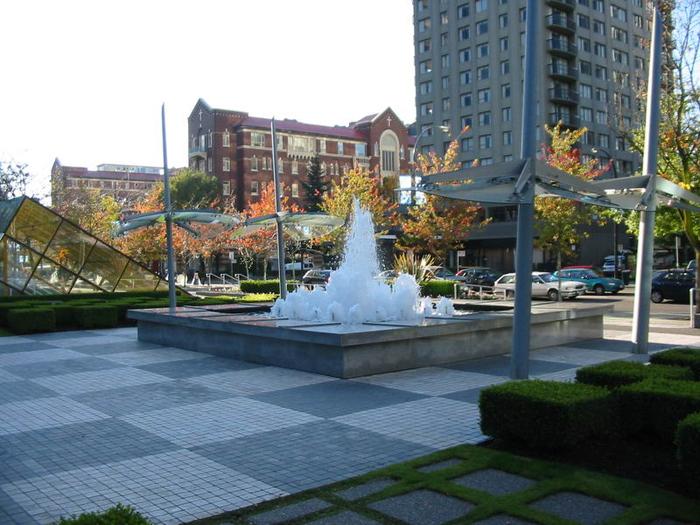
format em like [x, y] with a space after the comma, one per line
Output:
[172, 301]
[278, 209]
[519, 362]
[645, 249]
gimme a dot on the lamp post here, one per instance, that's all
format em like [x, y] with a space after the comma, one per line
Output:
[614, 225]
[444, 129]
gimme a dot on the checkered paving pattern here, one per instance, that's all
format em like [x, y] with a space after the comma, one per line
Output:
[93, 418]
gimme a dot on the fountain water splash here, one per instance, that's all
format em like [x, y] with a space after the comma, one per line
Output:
[354, 295]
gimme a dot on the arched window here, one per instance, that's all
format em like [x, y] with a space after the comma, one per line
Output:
[389, 144]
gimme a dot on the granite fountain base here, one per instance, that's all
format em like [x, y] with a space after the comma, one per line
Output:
[345, 351]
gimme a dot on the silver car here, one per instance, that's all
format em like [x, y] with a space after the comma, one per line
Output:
[543, 285]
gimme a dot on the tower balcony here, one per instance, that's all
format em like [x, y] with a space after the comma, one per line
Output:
[566, 5]
[561, 23]
[563, 72]
[198, 151]
[567, 120]
[564, 95]
[562, 47]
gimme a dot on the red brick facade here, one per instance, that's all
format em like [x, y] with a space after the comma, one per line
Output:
[237, 149]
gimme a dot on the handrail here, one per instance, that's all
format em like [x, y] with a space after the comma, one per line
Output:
[481, 289]
[692, 308]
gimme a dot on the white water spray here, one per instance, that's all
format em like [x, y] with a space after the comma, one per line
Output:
[354, 295]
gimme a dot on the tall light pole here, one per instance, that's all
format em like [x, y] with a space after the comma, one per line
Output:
[614, 224]
[520, 356]
[278, 209]
[645, 250]
[172, 302]
[444, 129]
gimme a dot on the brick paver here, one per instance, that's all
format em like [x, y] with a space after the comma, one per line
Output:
[94, 418]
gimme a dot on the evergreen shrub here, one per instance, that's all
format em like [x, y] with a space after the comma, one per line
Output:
[97, 316]
[657, 406]
[614, 374]
[31, 320]
[545, 415]
[689, 357]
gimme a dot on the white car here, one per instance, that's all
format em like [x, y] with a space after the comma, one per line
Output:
[543, 285]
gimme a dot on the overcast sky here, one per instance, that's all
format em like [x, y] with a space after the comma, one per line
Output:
[84, 80]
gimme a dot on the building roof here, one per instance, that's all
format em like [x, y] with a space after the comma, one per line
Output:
[80, 172]
[301, 127]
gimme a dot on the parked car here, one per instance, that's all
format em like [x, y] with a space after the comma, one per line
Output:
[544, 284]
[480, 275]
[673, 285]
[625, 264]
[440, 272]
[595, 283]
[692, 265]
[316, 277]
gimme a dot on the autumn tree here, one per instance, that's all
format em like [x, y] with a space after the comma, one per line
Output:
[361, 184]
[13, 180]
[263, 243]
[561, 223]
[438, 225]
[194, 189]
[90, 209]
[679, 128]
[314, 186]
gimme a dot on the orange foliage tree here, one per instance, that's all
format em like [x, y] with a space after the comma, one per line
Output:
[438, 225]
[262, 243]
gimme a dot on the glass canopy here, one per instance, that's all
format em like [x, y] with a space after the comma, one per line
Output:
[43, 253]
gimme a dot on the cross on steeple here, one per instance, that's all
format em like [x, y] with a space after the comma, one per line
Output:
[200, 115]
[388, 120]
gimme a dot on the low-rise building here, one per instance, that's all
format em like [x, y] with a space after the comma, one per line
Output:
[237, 149]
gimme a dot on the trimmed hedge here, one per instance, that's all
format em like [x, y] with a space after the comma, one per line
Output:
[96, 295]
[97, 316]
[545, 415]
[65, 316]
[118, 515]
[31, 320]
[5, 309]
[688, 442]
[689, 357]
[269, 286]
[437, 288]
[657, 405]
[615, 374]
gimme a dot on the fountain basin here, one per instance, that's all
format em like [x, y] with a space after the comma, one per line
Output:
[347, 351]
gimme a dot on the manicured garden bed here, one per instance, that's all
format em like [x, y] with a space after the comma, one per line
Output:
[473, 483]
[629, 419]
[35, 314]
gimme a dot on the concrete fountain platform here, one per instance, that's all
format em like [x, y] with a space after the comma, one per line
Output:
[346, 351]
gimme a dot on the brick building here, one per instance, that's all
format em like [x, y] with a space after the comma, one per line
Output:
[237, 149]
[126, 183]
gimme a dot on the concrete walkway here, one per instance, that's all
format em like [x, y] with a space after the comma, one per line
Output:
[94, 418]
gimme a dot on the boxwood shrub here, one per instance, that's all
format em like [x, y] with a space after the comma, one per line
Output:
[31, 320]
[618, 373]
[6, 307]
[689, 357]
[268, 286]
[545, 415]
[96, 316]
[657, 405]
[64, 315]
[118, 515]
[436, 288]
[688, 443]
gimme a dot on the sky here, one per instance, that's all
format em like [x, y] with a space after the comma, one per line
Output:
[84, 80]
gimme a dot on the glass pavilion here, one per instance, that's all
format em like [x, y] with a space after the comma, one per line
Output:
[44, 253]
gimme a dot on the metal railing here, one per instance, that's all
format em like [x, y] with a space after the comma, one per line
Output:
[479, 291]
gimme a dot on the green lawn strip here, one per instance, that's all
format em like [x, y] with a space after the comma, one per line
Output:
[644, 503]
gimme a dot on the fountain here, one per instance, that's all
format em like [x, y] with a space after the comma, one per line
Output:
[358, 325]
[354, 295]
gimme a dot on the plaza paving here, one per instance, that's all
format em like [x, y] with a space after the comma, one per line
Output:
[90, 419]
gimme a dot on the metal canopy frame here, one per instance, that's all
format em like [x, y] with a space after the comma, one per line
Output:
[180, 218]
